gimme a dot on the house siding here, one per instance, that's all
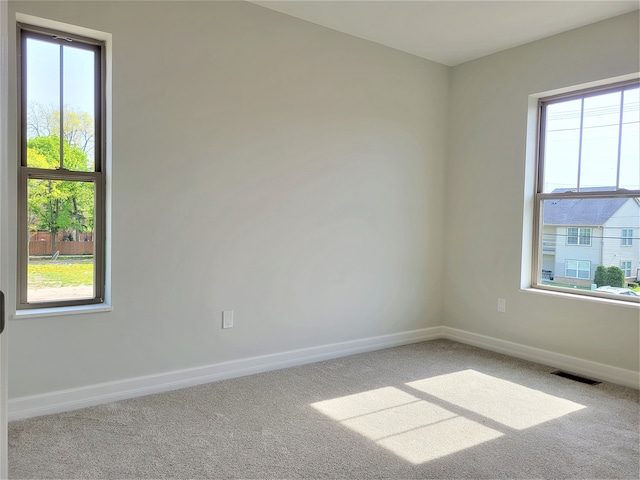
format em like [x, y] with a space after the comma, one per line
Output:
[628, 216]
[564, 252]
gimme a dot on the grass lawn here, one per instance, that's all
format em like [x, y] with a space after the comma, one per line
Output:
[58, 274]
[566, 285]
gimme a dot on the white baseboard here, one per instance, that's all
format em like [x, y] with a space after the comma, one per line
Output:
[65, 400]
[579, 366]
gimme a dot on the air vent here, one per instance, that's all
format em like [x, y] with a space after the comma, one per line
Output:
[576, 378]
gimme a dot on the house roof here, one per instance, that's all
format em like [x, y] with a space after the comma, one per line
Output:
[580, 211]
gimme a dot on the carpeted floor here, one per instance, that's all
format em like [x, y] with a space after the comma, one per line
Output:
[437, 409]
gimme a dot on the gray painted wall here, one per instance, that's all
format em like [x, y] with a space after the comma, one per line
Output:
[279, 169]
[487, 194]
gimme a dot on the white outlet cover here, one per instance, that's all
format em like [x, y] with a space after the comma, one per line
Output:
[502, 305]
[227, 319]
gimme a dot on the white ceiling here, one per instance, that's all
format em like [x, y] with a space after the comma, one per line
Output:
[453, 31]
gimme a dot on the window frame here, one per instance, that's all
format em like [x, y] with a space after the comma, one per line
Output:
[540, 196]
[579, 236]
[627, 237]
[97, 176]
[577, 269]
[623, 267]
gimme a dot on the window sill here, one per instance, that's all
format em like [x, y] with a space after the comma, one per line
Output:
[587, 298]
[62, 311]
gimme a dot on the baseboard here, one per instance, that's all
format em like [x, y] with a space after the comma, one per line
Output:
[66, 400]
[580, 366]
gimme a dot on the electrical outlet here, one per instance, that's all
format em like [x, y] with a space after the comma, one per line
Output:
[227, 319]
[502, 305]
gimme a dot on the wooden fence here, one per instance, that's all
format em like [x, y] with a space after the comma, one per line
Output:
[61, 236]
[43, 248]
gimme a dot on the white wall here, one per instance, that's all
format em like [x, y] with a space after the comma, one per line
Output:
[485, 196]
[261, 164]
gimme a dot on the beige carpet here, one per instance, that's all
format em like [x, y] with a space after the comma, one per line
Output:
[438, 409]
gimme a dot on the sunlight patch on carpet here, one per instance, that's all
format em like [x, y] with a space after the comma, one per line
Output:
[411, 428]
[502, 401]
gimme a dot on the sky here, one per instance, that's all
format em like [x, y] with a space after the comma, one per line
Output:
[43, 76]
[598, 157]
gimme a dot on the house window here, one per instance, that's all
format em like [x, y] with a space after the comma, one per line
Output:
[578, 236]
[577, 269]
[61, 190]
[625, 266]
[588, 174]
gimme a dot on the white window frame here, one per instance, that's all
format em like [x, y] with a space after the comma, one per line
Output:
[540, 196]
[578, 269]
[623, 267]
[579, 236]
[97, 176]
[627, 237]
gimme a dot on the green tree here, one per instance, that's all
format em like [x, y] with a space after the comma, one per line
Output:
[600, 277]
[44, 152]
[614, 277]
[57, 205]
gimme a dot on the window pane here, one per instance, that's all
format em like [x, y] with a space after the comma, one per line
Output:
[562, 144]
[584, 269]
[79, 106]
[61, 248]
[591, 162]
[42, 85]
[571, 269]
[630, 148]
[599, 163]
[585, 236]
[44, 152]
[571, 251]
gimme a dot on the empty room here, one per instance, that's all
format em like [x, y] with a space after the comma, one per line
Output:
[319, 239]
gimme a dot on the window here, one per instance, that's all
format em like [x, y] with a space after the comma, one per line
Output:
[61, 190]
[578, 236]
[625, 266]
[588, 181]
[577, 269]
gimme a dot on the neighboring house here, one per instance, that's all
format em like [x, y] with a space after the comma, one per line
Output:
[581, 234]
